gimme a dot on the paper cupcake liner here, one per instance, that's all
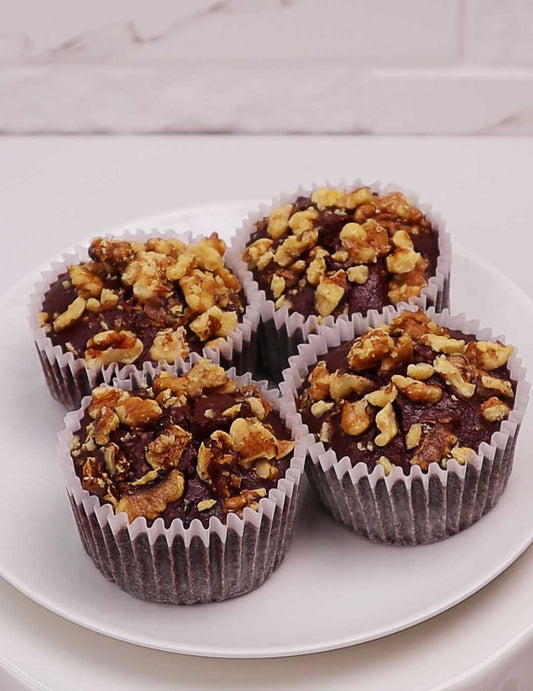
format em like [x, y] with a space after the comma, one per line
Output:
[67, 376]
[417, 508]
[280, 332]
[196, 564]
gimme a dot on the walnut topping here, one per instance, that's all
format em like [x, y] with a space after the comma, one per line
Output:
[71, 315]
[166, 449]
[253, 253]
[420, 371]
[417, 391]
[217, 450]
[206, 504]
[453, 377]
[108, 300]
[319, 381]
[199, 290]
[402, 261]
[170, 345]
[387, 424]
[316, 270]
[502, 385]
[294, 246]
[407, 285]
[138, 412]
[266, 470]
[384, 462]
[462, 454]
[303, 220]
[358, 274]
[402, 239]
[252, 440]
[344, 384]
[443, 344]
[277, 285]
[355, 240]
[278, 221]
[106, 422]
[112, 346]
[150, 501]
[435, 446]
[416, 324]
[487, 355]
[380, 397]
[494, 410]
[413, 436]
[355, 419]
[369, 349]
[43, 318]
[87, 284]
[329, 293]
[248, 497]
[117, 254]
[320, 408]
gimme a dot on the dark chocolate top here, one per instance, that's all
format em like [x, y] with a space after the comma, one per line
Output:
[342, 252]
[408, 394]
[135, 301]
[188, 447]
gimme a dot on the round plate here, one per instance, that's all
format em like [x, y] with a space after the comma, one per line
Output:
[334, 589]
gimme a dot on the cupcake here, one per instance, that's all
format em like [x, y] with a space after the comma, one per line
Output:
[414, 418]
[183, 486]
[320, 254]
[134, 299]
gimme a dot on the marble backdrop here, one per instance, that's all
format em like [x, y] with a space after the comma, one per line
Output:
[340, 66]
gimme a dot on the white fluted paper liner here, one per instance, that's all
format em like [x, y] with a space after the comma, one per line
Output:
[421, 507]
[67, 376]
[182, 565]
[281, 331]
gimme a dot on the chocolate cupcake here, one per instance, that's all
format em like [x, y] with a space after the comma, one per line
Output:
[135, 299]
[183, 486]
[415, 422]
[320, 254]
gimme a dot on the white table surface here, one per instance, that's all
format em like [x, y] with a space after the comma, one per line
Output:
[55, 191]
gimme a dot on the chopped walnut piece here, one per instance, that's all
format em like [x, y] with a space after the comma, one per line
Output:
[358, 274]
[138, 412]
[146, 275]
[167, 448]
[87, 284]
[320, 408]
[354, 238]
[402, 261]
[344, 384]
[402, 239]
[369, 349]
[319, 381]
[396, 203]
[316, 270]
[108, 300]
[325, 432]
[494, 410]
[253, 253]
[206, 504]
[502, 385]
[106, 422]
[354, 418]
[487, 355]
[435, 446]
[252, 440]
[146, 479]
[112, 346]
[328, 196]
[199, 290]
[278, 221]
[116, 253]
[453, 377]
[182, 266]
[150, 501]
[266, 470]
[248, 497]
[384, 462]
[413, 436]
[205, 375]
[443, 344]
[417, 391]
[407, 285]
[420, 371]
[208, 257]
[402, 352]
[416, 324]
[217, 450]
[303, 220]
[330, 292]
[71, 315]
[233, 411]
[462, 454]
[380, 397]
[277, 285]
[294, 246]
[387, 424]
[170, 345]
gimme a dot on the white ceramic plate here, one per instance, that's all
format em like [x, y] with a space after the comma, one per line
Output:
[334, 589]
